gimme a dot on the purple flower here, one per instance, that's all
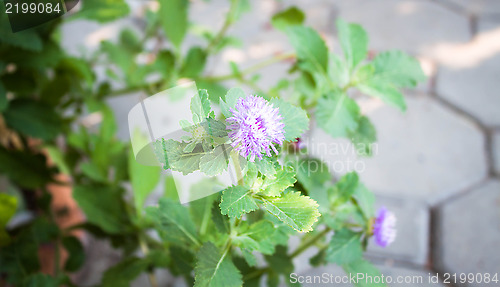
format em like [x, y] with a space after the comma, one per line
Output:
[384, 228]
[254, 127]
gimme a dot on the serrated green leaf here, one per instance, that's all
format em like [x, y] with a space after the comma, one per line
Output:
[310, 47]
[265, 166]
[173, 222]
[295, 210]
[364, 137]
[214, 128]
[385, 91]
[194, 63]
[214, 269]
[354, 42]
[174, 19]
[273, 185]
[179, 160]
[236, 201]
[231, 98]
[337, 115]
[363, 267]
[249, 258]
[200, 106]
[344, 247]
[289, 17]
[216, 161]
[295, 119]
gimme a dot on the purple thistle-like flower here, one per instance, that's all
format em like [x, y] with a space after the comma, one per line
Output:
[254, 127]
[384, 228]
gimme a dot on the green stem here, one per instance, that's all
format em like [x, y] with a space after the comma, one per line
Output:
[227, 23]
[306, 244]
[237, 167]
[145, 251]
[256, 273]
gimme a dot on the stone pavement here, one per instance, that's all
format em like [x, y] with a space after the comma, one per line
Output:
[437, 165]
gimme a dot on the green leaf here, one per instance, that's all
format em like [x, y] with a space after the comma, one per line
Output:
[215, 270]
[365, 200]
[121, 274]
[259, 236]
[344, 247]
[289, 17]
[143, 179]
[398, 68]
[200, 106]
[295, 210]
[231, 98]
[173, 222]
[194, 63]
[220, 220]
[42, 280]
[8, 207]
[236, 201]
[76, 253]
[33, 119]
[216, 161]
[25, 169]
[27, 39]
[354, 42]
[312, 172]
[385, 91]
[363, 267]
[309, 47]
[265, 166]
[103, 207]
[281, 261]
[338, 70]
[3, 98]
[295, 119]
[337, 115]
[201, 208]
[174, 19]
[273, 185]
[103, 10]
[364, 137]
[171, 154]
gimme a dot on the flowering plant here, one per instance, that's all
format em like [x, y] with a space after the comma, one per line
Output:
[236, 235]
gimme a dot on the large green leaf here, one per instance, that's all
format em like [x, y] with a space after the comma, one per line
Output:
[194, 63]
[258, 236]
[310, 47]
[345, 247]
[337, 115]
[354, 42]
[200, 106]
[103, 10]
[143, 179]
[273, 185]
[174, 19]
[289, 17]
[214, 269]
[216, 161]
[364, 137]
[173, 222]
[295, 210]
[236, 201]
[295, 119]
[363, 267]
[103, 206]
[33, 119]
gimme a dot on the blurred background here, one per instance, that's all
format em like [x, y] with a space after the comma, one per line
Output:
[437, 166]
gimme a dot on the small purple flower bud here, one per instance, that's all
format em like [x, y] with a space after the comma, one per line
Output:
[384, 228]
[255, 127]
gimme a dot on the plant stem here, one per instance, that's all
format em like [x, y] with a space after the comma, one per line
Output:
[254, 68]
[306, 244]
[145, 250]
[237, 167]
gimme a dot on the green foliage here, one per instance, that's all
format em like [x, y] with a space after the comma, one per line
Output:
[45, 93]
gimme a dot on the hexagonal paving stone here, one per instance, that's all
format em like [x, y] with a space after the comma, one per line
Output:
[398, 275]
[469, 78]
[429, 152]
[468, 233]
[412, 26]
[496, 151]
[412, 241]
[481, 7]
